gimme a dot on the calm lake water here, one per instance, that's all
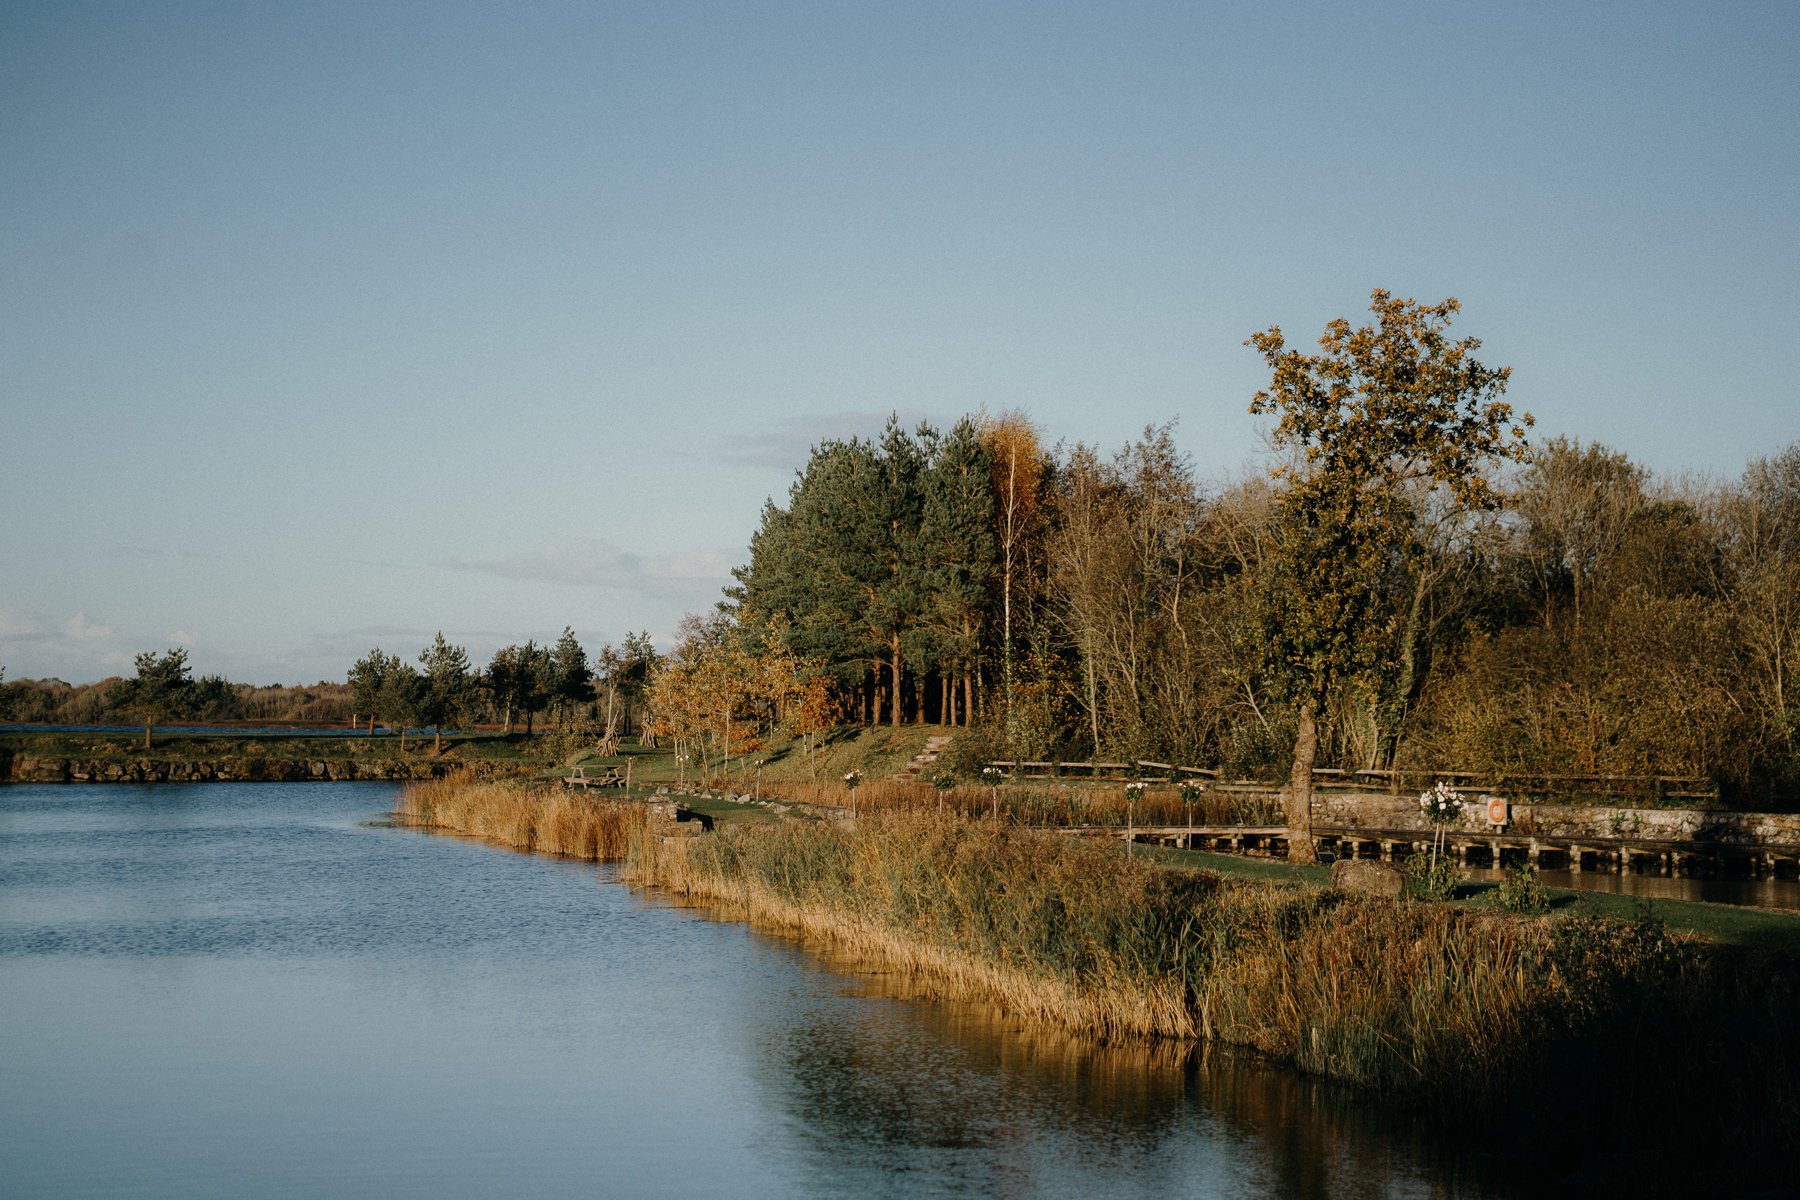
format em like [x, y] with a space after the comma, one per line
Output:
[229, 990]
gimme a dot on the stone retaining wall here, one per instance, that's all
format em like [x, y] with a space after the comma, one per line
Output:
[24, 768]
[1376, 810]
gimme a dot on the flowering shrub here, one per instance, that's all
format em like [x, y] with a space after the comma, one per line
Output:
[1441, 803]
[1436, 880]
[1192, 792]
[992, 775]
[1135, 791]
[852, 777]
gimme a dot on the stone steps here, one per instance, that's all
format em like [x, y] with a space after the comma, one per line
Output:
[935, 746]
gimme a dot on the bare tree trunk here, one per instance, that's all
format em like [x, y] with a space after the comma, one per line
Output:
[1006, 554]
[1093, 699]
[1300, 789]
[1387, 740]
[894, 674]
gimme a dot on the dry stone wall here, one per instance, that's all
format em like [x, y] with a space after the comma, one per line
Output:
[29, 769]
[1375, 810]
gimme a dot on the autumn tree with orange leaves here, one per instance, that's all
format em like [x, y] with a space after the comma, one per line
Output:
[1017, 465]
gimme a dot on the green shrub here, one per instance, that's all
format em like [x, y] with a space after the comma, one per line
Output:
[1427, 879]
[1521, 892]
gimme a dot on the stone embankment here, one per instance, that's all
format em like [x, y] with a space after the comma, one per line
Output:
[23, 768]
[1377, 811]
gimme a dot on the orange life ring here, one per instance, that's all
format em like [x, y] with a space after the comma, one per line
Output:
[1496, 811]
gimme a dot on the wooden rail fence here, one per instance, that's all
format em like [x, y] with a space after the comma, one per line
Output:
[1654, 788]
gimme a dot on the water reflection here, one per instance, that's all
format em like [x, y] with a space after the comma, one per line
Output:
[889, 1089]
[220, 990]
[1755, 893]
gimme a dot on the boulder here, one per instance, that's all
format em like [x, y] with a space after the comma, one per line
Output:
[1357, 877]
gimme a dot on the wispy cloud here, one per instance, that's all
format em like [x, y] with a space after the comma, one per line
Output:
[788, 441]
[79, 628]
[76, 646]
[18, 627]
[590, 562]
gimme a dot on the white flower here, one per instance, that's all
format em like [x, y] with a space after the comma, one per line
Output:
[1440, 803]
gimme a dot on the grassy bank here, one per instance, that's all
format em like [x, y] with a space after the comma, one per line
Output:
[1622, 1027]
[1060, 804]
[234, 744]
[1588, 1040]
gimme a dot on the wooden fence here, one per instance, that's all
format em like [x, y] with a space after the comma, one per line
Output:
[1655, 789]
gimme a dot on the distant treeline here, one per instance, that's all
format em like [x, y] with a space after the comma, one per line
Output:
[1595, 620]
[603, 694]
[213, 698]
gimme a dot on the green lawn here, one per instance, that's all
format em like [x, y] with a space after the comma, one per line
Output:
[1755, 928]
[723, 811]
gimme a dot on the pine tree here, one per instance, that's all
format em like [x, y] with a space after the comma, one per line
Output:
[571, 679]
[448, 688]
[957, 551]
[161, 689]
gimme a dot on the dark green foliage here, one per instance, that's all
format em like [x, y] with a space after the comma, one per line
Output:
[160, 691]
[845, 568]
[368, 678]
[388, 690]
[621, 676]
[1383, 409]
[1603, 624]
[1520, 891]
[1430, 877]
[957, 556]
[446, 693]
[518, 681]
[571, 681]
[1326, 616]
[214, 698]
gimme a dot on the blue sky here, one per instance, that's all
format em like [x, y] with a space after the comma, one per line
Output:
[325, 326]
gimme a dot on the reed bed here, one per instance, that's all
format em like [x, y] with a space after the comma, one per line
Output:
[1674, 1062]
[524, 816]
[1434, 1004]
[1063, 805]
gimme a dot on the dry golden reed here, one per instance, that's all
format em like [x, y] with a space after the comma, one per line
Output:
[1468, 1011]
[1059, 805]
[523, 816]
[1426, 1000]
